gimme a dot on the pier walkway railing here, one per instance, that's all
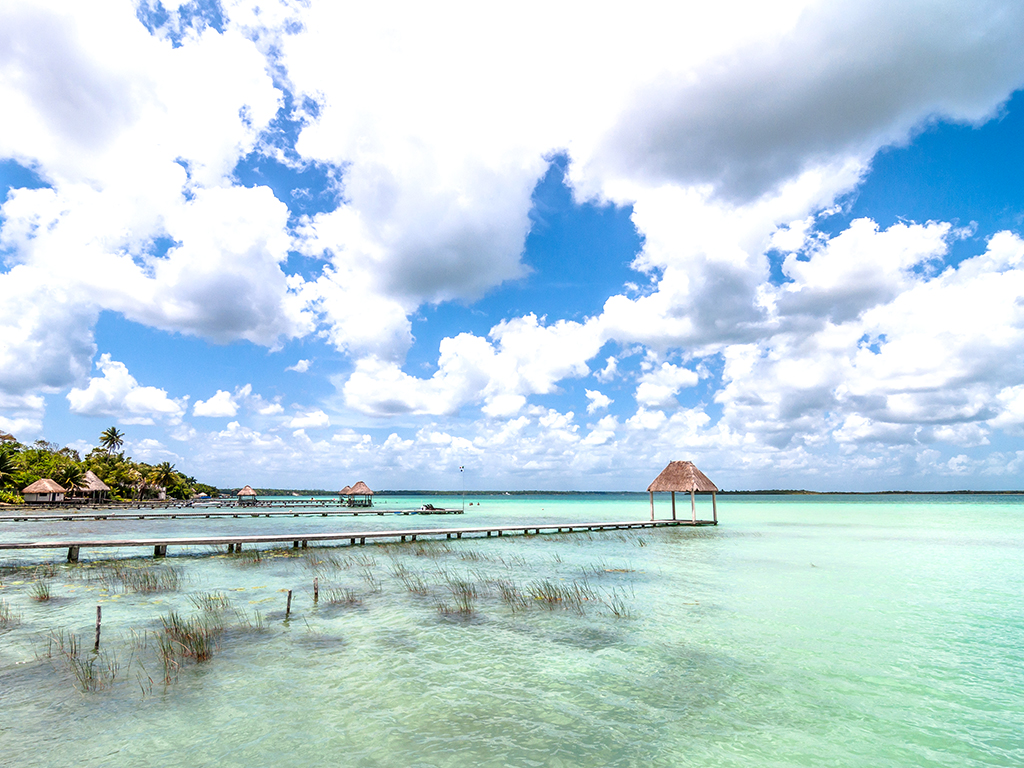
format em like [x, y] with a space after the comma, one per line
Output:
[234, 543]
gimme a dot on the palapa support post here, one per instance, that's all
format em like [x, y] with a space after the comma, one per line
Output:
[673, 505]
[288, 608]
[652, 505]
[714, 508]
[72, 554]
[693, 504]
[99, 614]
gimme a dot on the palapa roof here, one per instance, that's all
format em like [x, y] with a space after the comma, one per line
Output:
[46, 485]
[361, 489]
[682, 476]
[90, 482]
[346, 491]
[247, 491]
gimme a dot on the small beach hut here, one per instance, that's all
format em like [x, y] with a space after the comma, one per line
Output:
[43, 491]
[247, 497]
[683, 476]
[362, 489]
[346, 491]
[93, 487]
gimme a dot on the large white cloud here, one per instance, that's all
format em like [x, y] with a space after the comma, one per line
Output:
[728, 128]
[116, 393]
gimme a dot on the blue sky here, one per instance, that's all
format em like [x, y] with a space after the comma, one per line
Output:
[297, 245]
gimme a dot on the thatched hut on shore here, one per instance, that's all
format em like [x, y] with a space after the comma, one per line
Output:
[362, 490]
[93, 487]
[247, 497]
[43, 491]
[683, 476]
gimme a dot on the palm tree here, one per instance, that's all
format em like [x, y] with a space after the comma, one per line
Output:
[163, 474]
[111, 439]
[7, 467]
[71, 476]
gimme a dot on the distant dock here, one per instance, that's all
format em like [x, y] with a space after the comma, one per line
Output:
[206, 514]
[301, 540]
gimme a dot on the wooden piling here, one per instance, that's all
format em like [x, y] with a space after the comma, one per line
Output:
[288, 608]
[316, 590]
[99, 614]
[72, 554]
[160, 550]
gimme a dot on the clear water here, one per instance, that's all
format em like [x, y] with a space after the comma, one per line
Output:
[846, 631]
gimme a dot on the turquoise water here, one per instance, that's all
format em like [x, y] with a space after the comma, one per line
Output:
[840, 631]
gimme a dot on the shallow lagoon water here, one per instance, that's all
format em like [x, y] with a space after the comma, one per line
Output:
[868, 630]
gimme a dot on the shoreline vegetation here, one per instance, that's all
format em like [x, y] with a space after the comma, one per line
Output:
[125, 479]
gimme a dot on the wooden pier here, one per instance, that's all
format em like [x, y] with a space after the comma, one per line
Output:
[206, 515]
[301, 540]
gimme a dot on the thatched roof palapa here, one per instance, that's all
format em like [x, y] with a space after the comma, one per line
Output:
[682, 476]
[346, 491]
[361, 489]
[247, 491]
[90, 482]
[46, 485]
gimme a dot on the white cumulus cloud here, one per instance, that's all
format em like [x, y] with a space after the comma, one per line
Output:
[116, 393]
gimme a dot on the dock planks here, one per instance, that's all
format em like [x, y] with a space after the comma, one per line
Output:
[93, 516]
[234, 543]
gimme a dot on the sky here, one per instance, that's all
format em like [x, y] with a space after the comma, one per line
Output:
[298, 244]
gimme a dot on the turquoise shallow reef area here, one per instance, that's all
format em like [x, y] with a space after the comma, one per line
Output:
[802, 631]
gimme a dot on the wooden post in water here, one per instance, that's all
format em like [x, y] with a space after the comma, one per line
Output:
[72, 554]
[693, 505]
[98, 615]
[714, 508]
[652, 505]
[316, 590]
[673, 506]
[288, 608]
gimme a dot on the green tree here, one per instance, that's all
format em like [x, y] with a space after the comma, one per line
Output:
[70, 475]
[8, 466]
[112, 439]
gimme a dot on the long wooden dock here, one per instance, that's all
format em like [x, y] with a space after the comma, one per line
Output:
[147, 515]
[301, 540]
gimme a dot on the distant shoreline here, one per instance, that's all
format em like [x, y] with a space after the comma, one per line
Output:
[778, 492]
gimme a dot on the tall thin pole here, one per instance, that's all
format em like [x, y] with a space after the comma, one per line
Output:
[462, 474]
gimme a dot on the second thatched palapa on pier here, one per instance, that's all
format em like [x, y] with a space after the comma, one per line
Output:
[683, 476]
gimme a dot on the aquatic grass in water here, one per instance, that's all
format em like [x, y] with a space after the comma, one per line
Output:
[511, 595]
[194, 638]
[40, 592]
[91, 671]
[210, 602]
[248, 558]
[138, 578]
[570, 596]
[342, 596]
[8, 618]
